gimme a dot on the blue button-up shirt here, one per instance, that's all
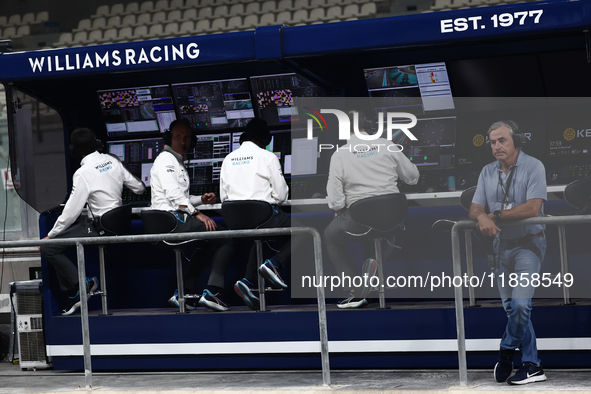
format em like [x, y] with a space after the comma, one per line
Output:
[528, 182]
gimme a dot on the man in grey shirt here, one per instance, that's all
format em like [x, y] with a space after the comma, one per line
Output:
[513, 187]
[363, 171]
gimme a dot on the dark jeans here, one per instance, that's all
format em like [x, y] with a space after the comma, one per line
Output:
[67, 271]
[218, 251]
[524, 260]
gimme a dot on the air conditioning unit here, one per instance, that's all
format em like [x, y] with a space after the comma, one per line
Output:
[27, 299]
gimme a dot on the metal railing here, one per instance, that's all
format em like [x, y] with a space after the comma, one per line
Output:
[559, 221]
[81, 242]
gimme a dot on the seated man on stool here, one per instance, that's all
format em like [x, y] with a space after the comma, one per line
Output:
[352, 177]
[253, 173]
[98, 182]
[170, 192]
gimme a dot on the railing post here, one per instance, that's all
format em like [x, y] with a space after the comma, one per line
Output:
[322, 324]
[103, 275]
[469, 264]
[563, 261]
[84, 315]
[459, 305]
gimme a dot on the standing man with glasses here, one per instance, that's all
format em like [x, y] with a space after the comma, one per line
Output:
[511, 188]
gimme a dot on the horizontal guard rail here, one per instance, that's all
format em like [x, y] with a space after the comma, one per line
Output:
[457, 270]
[80, 242]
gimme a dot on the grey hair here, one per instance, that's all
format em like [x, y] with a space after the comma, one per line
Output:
[508, 124]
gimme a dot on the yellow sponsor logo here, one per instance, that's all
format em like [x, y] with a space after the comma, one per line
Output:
[478, 140]
[569, 134]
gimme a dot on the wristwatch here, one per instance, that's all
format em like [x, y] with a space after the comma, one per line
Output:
[497, 215]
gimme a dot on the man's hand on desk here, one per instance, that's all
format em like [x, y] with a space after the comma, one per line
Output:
[210, 225]
[208, 198]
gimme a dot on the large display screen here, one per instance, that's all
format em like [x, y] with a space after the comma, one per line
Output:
[275, 93]
[134, 111]
[414, 88]
[214, 104]
[568, 136]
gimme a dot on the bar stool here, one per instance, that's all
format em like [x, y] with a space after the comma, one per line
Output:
[383, 216]
[248, 215]
[578, 195]
[115, 222]
[163, 222]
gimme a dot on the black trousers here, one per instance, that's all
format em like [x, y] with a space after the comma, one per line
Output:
[218, 251]
[279, 219]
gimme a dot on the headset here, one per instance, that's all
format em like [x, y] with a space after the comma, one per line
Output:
[518, 137]
[167, 135]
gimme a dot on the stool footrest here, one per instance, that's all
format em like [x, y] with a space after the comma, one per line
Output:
[266, 289]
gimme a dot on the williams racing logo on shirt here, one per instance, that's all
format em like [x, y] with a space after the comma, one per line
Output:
[170, 169]
[104, 166]
[238, 161]
[362, 153]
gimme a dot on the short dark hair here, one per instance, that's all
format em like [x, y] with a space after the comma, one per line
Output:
[258, 132]
[181, 121]
[83, 141]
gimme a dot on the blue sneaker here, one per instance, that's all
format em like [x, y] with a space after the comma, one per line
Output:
[74, 305]
[528, 373]
[352, 302]
[244, 289]
[74, 302]
[270, 273]
[174, 301]
[212, 301]
[504, 366]
[370, 267]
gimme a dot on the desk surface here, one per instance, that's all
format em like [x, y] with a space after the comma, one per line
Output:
[442, 199]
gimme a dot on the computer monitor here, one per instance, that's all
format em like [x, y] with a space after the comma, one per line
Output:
[211, 146]
[414, 88]
[214, 105]
[435, 147]
[137, 155]
[274, 95]
[137, 111]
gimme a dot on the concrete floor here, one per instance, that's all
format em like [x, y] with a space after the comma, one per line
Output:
[14, 380]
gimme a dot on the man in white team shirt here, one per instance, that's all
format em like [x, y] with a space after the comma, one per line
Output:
[355, 175]
[98, 182]
[253, 173]
[170, 183]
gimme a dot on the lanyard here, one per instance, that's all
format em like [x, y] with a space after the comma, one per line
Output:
[506, 190]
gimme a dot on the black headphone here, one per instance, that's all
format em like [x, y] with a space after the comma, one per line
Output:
[167, 135]
[516, 134]
[99, 147]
